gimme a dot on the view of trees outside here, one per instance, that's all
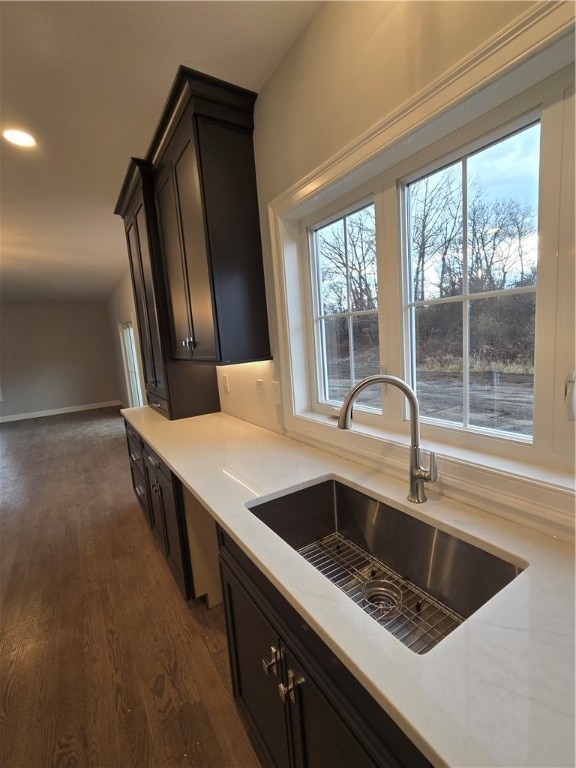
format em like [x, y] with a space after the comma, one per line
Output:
[348, 298]
[473, 258]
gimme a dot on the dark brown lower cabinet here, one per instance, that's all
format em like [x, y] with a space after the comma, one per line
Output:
[138, 471]
[257, 672]
[301, 706]
[160, 495]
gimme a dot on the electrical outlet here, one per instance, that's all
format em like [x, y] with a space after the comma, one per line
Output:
[225, 384]
[260, 387]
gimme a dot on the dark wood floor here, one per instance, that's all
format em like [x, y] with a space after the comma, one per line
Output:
[102, 663]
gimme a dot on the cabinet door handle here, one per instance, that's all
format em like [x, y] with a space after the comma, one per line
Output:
[135, 458]
[271, 666]
[152, 460]
[140, 491]
[290, 689]
[189, 342]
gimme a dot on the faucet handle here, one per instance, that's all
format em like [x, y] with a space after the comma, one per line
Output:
[432, 473]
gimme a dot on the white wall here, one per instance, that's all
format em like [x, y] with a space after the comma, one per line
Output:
[247, 391]
[354, 64]
[56, 356]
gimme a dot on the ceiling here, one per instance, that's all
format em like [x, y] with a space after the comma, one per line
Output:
[89, 80]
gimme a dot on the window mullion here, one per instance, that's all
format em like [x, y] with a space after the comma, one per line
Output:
[319, 330]
[349, 318]
[351, 348]
[465, 302]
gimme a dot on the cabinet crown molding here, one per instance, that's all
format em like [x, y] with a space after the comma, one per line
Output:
[210, 97]
[138, 169]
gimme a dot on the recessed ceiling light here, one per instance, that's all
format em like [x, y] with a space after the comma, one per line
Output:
[21, 138]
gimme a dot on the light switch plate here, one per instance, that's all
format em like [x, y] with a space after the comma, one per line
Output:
[276, 394]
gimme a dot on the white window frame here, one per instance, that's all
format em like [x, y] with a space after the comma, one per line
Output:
[533, 483]
[501, 132]
[315, 302]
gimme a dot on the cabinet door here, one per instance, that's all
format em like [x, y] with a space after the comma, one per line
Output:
[140, 300]
[181, 219]
[139, 478]
[176, 279]
[141, 492]
[320, 736]
[151, 467]
[176, 541]
[235, 251]
[156, 510]
[156, 381]
[191, 212]
[253, 646]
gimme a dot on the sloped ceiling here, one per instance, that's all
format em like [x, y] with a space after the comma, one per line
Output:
[89, 80]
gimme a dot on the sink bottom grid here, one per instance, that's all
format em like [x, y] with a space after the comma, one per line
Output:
[409, 613]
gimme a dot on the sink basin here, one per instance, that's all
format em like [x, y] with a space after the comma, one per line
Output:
[418, 581]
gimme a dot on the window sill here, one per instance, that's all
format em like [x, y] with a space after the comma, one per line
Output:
[529, 494]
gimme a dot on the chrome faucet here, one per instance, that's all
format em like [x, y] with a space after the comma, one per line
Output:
[418, 475]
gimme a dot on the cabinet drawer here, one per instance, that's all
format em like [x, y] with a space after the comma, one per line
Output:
[135, 454]
[154, 463]
[159, 404]
[141, 491]
[131, 434]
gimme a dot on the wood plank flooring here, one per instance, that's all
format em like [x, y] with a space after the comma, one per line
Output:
[102, 663]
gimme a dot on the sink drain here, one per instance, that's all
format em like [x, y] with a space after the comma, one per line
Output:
[383, 595]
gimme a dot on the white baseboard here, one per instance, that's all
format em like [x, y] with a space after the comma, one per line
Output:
[56, 411]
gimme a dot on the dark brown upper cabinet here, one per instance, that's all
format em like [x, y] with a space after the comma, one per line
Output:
[190, 212]
[209, 231]
[136, 206]
[174, 389]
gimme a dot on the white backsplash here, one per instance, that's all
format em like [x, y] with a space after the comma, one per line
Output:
[251, 391]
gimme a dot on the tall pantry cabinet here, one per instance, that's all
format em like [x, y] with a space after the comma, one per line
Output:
[141, 237]
[191, 217]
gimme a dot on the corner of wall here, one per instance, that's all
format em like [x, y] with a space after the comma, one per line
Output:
[251, 391]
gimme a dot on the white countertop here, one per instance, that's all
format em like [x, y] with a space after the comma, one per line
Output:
[498, 691]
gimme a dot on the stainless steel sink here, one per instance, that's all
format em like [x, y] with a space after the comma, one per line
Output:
[415, 579]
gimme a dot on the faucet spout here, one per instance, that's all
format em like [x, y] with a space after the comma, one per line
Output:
[418, 474]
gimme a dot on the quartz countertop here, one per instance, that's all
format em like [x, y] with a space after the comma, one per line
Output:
[497, 691]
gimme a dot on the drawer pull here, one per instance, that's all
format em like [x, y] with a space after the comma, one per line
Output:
[290, 689]
[270, 666]
[155, 463]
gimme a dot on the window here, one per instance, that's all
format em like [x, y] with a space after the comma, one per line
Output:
[482, 296]
[346, 304]
[472, 266]
[469, 261]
